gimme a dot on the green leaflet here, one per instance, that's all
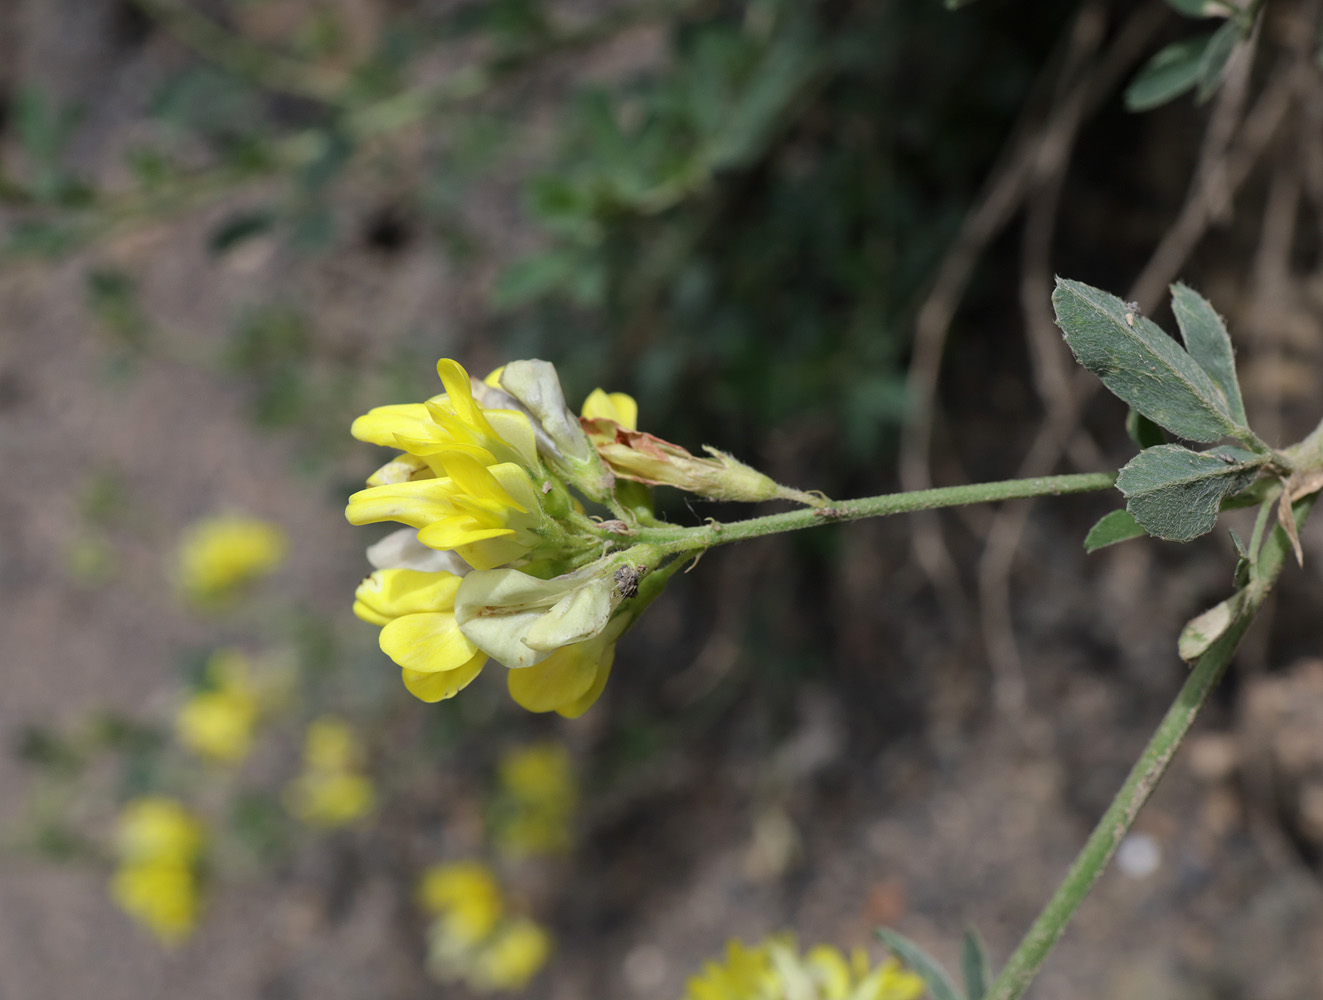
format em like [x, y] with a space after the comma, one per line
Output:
[1142, 431]
[1170, 73]
[974, 966]
[1139, 363]
[923, 965]
[1213, 65]
[1175, 493]
[1118, 526]
[1207, 340]
[1203, 630]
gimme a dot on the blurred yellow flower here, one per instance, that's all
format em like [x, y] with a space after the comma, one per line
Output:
[774, 970]
[158, 843]
[513, 957]
[473, 939]
[158, 829]
[332, 789]
[163, 898]
[539, 795]
[220, 556]
[219, 722]
[464, 898]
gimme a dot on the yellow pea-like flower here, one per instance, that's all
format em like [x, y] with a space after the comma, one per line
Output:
[487, 515]
[416, 610]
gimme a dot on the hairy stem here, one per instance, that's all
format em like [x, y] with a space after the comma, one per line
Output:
[1025, 962]
[715, 533]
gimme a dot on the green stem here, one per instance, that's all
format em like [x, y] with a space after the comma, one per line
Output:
[715, 533]
[1024, 964]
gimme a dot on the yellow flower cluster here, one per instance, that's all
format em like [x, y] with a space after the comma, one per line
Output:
[220, 556]
[219, 722]
[537, 801]
[158, 844]
[332, 790]
[497, 561]
[774, 970]
[474, 939]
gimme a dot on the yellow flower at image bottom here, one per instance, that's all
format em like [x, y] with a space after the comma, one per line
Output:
[774, 970]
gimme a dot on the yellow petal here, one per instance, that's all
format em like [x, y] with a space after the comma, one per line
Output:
[617, 406]
[561, 679]
[381, 424]
[427, 643]
[453, 533]
[416, 504]
[589, 698]
[391, 593]
[481, 483]
[444, 683]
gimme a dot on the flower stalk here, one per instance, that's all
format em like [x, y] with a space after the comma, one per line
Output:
[1033, 950]
[670, 539]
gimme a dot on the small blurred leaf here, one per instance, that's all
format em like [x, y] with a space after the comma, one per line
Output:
[534, 278]
[1213, 65]
[239, 228]
[1207, 340]
[974, 965]
[1118, 526]
[1199, 8]
[1142, 431]
[923, 965]
[1170, 73]
[1140, 364]
[1175, 493]
[113, 298]
[1203, 630]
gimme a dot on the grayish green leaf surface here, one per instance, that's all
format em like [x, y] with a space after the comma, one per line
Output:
[1206, 338]
[1139, 363]
[1118, 526]
[974, 965]
[1213, 65]
[1198, 8]
[1170, 73]
[1203, 630]
[921, 964]
[1175, 493]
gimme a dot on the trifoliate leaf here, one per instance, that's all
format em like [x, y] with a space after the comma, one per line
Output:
[1203, 630]
[1170, 73]
[1207, 340]
[923, 965]
[974, 965]
[1118, 526]
[1139, 363]
[1213, 65]
[1175, 493]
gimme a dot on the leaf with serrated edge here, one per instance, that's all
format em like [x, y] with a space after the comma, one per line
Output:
[921, 964]
[1175, 493]
[1203, 630]
[1118, 526]
[1140, 364]
[1206, 338]
[1170, 73]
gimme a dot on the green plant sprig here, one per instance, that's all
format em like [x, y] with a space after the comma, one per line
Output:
[683, 539]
